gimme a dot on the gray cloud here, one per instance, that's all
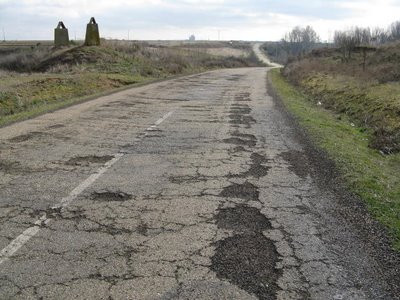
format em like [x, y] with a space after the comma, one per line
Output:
[165, 19]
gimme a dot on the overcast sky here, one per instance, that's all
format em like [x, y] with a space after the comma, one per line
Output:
[177, 19]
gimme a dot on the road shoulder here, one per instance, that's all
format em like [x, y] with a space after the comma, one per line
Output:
[350, 209]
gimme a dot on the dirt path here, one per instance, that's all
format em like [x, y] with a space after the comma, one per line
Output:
[260, 54]
[194, 188]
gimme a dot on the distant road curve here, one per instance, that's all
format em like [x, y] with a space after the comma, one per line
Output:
[260, 54]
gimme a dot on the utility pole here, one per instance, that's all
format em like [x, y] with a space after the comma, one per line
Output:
[128, 34]
[219, 35]
[4, 34]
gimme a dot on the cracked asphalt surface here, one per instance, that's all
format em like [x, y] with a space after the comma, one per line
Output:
[215, 201]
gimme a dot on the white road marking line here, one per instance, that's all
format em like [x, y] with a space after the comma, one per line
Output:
[158, 122]
[29, 233]
[88, 182]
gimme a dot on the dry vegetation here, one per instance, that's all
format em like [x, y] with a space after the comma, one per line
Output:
[369, 95]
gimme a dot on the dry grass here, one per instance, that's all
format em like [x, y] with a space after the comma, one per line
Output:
[382, 65]
[23, 59]
[370, 97]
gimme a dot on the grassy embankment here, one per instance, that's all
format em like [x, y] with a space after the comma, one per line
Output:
[40, 79]
[355, 117]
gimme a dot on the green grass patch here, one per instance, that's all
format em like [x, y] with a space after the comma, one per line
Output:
[370, 104]
[368, 173]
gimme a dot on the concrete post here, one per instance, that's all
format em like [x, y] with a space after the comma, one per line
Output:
[61, 37]
[92, 33]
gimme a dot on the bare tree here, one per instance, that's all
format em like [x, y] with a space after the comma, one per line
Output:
[350, 39]
[379, 36]
[394, 31]
[300, 40]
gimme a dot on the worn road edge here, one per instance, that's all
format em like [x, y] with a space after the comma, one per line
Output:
[79, 100]
[378, 245]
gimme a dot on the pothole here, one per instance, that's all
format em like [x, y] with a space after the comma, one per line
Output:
[256, 170]
[142, 229]
[246, 191]
[14, 168]
[242, 109]
[239, 141]
[242, 219]
[55, 126]
[187, 179]
[235, 77]
[242, 97]
[250, 137]
[26, 137]
[90, 159]
[239, 149]
[110, 196]
[8, 166]
[247, 259]
[298, 162]
[241, 120]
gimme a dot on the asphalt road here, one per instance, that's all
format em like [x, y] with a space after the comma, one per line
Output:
[193, 188]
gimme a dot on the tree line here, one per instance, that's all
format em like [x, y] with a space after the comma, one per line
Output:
[365, 38]
[301, 40]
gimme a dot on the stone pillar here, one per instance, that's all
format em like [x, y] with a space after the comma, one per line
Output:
[92, 33]
[61, 37]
